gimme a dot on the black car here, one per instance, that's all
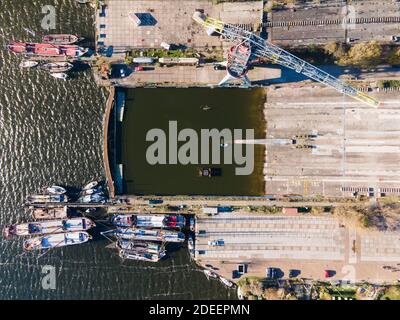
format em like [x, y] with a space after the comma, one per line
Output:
[293, 273]
[219, 67]
[271, 273]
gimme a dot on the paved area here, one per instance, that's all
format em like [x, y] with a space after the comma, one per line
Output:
[190, 76]
[342, 146]
[319, 24]
[171, 22]
[305, 243]
[270, 237]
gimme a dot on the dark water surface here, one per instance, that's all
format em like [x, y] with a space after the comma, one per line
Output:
[51, 132]
[196, 109]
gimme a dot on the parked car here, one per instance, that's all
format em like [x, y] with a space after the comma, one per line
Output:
[293, 273]
[271, 273]
[219, 67]
[395, 38]
[139, 68]
[216, 243]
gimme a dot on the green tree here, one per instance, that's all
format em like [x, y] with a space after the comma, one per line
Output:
[364, 54]
[393, 57]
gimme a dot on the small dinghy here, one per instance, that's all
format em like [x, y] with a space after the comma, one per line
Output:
[92, 192]
[90, 185]
[57, 67]
[210, 275]
[48, 227]
[227, 283]
[62, 76]
[191, 246]
[28, 64]
[192, 224]
[149, 247]
[56, 240]
[141, 256]
[56, 190]
[61, 39]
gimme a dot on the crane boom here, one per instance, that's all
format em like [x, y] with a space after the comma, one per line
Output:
[263, 49]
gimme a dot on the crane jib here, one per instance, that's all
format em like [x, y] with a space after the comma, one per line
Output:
[263, 49]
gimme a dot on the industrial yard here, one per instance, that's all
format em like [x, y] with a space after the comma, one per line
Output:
[307, 244]
[342, 148]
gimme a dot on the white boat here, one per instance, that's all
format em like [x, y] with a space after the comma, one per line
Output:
[56, 240]
[191, 246]
[28, 64]
[227, 283]
[94, 198]
[240, 293]
[149, 235]
[56, 190]
[46, 198]
[92, 192]
[192, 224]
[48, 227]
[141, 256]
[59, 75]
[210, 275]
[90, 185]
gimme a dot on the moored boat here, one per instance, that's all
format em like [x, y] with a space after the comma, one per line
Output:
[149, 247]
[46, 198]
[59, 75]
[56, 240]
[192, 224]
[46, 49]
[61, 38]
[94, 198]
[148, 221]
[150, 235]
[48, 227]
[141, 256]
[90, 192]
[58, 67]
[90, 185]
[28, 64]
[210, 275]
[49, 213]
[227, 283]
[56, 190]
[191, 246]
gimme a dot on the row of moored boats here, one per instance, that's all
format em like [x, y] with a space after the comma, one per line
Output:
[143, 236]
[52, 46]
[52, 228]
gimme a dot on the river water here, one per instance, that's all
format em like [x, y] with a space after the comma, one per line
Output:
[51, 132]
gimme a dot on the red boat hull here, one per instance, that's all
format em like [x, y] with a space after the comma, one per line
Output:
[45, 49]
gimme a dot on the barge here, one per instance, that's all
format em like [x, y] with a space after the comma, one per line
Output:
[148, 221]
[149, 235]
[56, 240]
[48, 227]
[46, 49]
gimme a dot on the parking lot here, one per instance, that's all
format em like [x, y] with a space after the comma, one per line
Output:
[309, 244]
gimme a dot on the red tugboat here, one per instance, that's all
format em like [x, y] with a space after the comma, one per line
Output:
[45, 49]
